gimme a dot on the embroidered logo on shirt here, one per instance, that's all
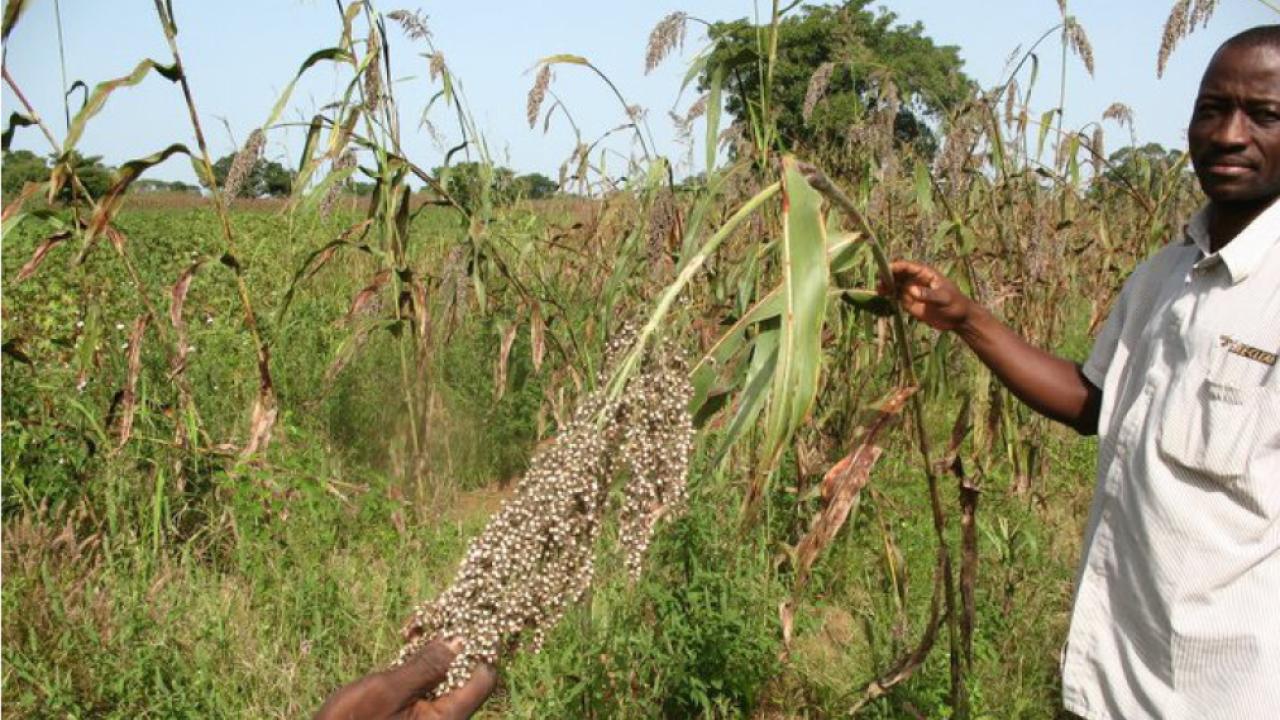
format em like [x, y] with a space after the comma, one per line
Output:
[1236, 347]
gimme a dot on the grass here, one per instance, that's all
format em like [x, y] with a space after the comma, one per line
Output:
[190, 568]
[253, 592]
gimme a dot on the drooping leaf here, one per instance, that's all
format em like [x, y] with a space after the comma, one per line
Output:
[840, 254]
[129, 398]
[263, 417]
[764, 361]
[504, 357]
[177, 299]
[13, 214]
[98, 98]
[109, 204]
[537, 336]
[843, 483]
[319, 258]
[367, 294]
[13, 10]
[16, 120]
[1046, 124]
[333, 54]
[42, 250]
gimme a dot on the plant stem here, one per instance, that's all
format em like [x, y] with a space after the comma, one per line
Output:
[265, 388]
[820, 182]
[632, 360]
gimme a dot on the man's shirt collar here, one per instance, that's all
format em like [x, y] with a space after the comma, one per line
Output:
[1245, 252]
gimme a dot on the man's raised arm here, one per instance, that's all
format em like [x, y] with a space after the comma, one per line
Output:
[1050, 385]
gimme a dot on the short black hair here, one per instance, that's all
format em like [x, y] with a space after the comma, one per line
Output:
[1262, 36]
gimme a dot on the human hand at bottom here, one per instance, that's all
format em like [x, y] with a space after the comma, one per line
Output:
[399, 693]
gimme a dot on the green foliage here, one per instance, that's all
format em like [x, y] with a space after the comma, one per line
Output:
[693, 637]
[534, 186]
[21, 167]
[467, 181]
[869, 50]
[1145, 168]
[426, 351]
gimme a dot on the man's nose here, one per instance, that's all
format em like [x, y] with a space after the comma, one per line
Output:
[1232, 131]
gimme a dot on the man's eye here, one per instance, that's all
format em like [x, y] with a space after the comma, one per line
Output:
[1266, 116]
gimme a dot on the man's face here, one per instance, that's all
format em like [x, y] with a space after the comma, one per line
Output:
[1235, 128]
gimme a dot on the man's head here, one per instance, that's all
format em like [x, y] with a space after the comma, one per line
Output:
[1234, 134]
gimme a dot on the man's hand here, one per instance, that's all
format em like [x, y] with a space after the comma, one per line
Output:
[1051, 386]
[399, 693]
[928, 296]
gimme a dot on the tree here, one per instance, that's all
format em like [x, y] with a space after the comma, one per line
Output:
[866, 50]
[266, 178]
[535, 186]
[21, 167]
[94, 176]
[1143, 167]
[465, 181]
[276, 180]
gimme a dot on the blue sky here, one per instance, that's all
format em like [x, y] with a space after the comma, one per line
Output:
[241, 53]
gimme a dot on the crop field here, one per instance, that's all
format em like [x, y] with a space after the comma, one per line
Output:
[244, 437]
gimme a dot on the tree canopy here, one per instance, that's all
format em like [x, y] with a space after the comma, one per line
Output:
[465, 180]
[874, 62]
[24, 166]
[1141, 166]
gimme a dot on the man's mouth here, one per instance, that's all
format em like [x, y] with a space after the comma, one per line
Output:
[1228, 168]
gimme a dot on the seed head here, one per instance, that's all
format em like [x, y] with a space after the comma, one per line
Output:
[437, 66]
[373, 71]
[1176, 27]
[346, 161]
[537, 94]
[244, 163]
[414, 24]
[667, 35]
[1079, 42]
[698, 108]
[1010, 101]
[536, 556]
[1120, 113]
[817, 88]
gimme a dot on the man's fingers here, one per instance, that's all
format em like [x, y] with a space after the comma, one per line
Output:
[464, 701]
[426, 668]
[905, 271]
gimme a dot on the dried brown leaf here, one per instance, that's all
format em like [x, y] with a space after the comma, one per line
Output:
[504, 356]
[264, 409]
[42, 250]
[366, 295]
[129, 398]
[537, 336]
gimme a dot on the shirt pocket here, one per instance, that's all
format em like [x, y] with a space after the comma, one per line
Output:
[1211, 427]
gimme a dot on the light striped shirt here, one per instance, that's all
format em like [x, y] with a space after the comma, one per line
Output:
[1177, 605]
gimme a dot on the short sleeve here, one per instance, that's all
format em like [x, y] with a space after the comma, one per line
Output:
[1104, 346]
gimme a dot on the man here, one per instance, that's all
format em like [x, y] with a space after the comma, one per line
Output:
[1175, 613]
